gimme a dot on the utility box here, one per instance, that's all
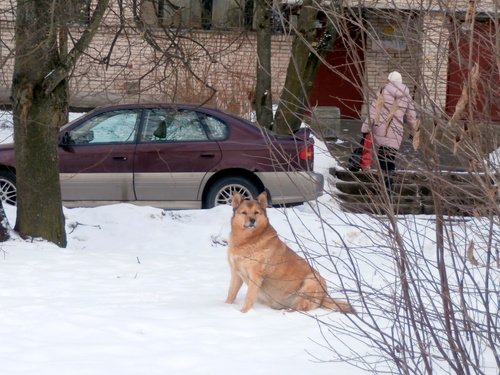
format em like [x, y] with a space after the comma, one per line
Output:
[325, 122]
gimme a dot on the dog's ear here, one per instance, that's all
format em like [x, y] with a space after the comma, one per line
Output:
[262, 200]
[236, 200]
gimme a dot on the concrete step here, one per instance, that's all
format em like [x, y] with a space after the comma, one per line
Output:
[382, 209]
[375, 188]
[461, 194]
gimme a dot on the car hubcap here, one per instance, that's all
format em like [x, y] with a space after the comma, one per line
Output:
[7, 192]
[226, 193]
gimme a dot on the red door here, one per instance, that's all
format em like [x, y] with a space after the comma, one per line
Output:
[341, 86]
[467, 49]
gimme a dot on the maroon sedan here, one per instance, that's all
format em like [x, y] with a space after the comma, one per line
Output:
[174, 156]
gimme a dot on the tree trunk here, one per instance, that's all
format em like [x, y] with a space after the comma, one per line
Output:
[302, 68]
[36, 124]
[39, 91]
[263, 96]
[4, 225]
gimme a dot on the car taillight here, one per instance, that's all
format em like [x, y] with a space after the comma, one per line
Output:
[306, 153]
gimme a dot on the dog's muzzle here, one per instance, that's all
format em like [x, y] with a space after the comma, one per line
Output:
[250, 224]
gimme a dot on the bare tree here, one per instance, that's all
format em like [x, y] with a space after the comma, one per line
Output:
[39, 91]
[305, 59]
[4, 225]
[263, 85]
[426, 286]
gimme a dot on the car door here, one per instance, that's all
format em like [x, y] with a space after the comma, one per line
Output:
[173, 156]
[96, 160]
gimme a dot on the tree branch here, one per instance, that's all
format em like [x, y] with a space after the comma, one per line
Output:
[62, 71]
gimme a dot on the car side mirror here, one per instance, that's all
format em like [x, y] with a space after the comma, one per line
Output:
[66, 140]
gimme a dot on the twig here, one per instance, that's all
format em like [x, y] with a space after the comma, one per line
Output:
[470, 254]
[76, 224]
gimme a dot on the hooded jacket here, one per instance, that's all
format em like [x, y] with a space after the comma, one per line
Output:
[392, 108]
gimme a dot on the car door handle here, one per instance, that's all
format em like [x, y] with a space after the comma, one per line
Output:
[207, 156]
[120, 158]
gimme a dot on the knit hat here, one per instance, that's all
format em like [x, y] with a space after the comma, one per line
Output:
[395, 77]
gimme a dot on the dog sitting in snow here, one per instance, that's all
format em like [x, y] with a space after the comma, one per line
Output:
[275, 275]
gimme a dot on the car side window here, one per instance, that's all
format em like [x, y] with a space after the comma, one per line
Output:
[154, 125]
[218, 130]
[109, 127]
[172, 126]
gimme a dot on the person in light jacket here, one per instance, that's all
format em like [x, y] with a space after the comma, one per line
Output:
[389, 113]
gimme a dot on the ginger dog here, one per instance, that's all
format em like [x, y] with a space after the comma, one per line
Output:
[275, 275]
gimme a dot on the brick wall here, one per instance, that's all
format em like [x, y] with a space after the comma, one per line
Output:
[435, 61]
[218, 67]
[427, 5]
[389, 48]
[392, 44]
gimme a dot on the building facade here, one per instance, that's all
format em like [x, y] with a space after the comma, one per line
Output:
[204, 52]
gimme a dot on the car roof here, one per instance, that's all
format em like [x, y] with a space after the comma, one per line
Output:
[155, 105]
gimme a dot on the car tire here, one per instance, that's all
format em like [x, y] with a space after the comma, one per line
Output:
[221, 191]
[8, 191]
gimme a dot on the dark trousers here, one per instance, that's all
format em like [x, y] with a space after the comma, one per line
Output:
[386, 158]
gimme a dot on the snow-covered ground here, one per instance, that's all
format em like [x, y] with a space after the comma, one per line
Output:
[140, 290]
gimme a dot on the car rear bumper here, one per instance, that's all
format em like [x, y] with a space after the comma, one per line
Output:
[292, 187]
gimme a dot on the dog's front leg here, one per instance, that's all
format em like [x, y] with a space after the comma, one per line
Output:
[234, 286]
[254, 285]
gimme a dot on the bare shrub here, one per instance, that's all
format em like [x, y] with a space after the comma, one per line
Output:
[426, 286]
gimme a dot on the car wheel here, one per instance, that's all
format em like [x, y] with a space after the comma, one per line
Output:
[221, 191]
[8, 191]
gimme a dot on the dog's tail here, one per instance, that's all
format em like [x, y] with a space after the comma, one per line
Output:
[336, 305]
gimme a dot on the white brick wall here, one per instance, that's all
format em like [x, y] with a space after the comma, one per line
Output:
[413, 43]
[435, 60]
